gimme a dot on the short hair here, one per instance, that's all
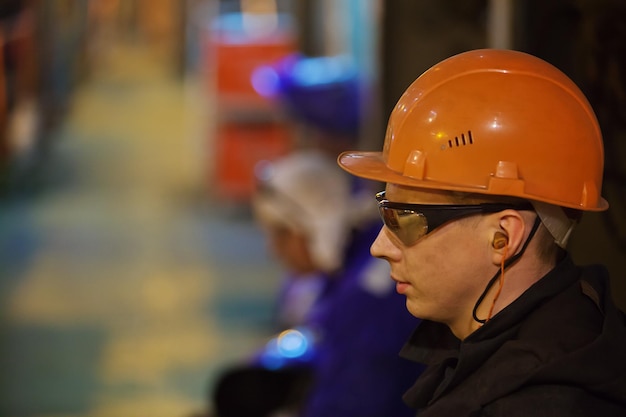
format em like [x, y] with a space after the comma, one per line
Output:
[547, 249]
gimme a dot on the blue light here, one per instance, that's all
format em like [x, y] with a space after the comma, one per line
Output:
[265, 81]
[292, 344]
[322, 70]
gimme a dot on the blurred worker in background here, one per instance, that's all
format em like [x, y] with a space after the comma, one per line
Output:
[341, 356]
[490, 158]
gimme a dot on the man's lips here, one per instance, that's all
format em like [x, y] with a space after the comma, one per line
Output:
[401, 286]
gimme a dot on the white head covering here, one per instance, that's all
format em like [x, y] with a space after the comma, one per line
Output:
[307, 192]
[556, 221]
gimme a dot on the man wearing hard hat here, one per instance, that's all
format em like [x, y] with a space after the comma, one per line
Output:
[490, 158]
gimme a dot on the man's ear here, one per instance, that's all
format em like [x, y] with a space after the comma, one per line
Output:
[509, 237]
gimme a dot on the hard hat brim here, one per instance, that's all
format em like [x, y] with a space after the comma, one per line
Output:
[371, 166]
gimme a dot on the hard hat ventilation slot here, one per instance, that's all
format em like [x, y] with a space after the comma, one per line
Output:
[464, 139]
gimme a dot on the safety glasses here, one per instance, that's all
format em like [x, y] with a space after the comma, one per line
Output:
[410, 222]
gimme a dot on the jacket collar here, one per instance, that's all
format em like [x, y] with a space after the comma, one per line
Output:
[450, 361]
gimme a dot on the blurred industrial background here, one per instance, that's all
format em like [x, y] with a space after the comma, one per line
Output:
[131, 270]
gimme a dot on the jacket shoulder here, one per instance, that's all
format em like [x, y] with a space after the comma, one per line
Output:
[552, 401]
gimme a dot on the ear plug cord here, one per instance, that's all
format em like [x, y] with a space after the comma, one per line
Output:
[501, 280]
[500, 274]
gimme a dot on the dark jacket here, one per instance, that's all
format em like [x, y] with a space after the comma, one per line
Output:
[558, 350]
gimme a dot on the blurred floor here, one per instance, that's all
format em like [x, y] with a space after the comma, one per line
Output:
[123, 287]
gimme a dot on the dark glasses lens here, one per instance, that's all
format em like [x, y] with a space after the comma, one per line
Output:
[410, 222]
[407, 225]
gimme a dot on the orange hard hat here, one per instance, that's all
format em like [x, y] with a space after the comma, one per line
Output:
[496, 122]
